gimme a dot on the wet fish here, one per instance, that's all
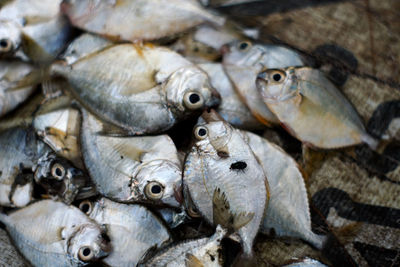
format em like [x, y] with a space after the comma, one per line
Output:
[232, 109]
[20, 150]
[142, 19]
[222, 171]
[311, 108]
[131, 169]
[18, 81]
[243, 60]
[133, 230]
[200, 252]
[288, 212]
[307, 262]
[50, 233]
[143, 89]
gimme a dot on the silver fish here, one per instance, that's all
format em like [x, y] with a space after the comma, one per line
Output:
[221, 172]
[131, 169]
[311, 108]
[18, 81]
[20, 150]
[142, 19]
[133, 230]
[50, 233]
[144, 89]
[10, 38]
[307, 262]
[288, 211]
[231, 108]
[243, 61]
[200, 252]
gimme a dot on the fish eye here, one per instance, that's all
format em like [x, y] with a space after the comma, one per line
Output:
[154, 190]
[192, 212]
[244, 46]
[85, 254]
[5, 45]
[193, 100]
[278, 76]
[200, 133]
[58, 171]
[86, 206]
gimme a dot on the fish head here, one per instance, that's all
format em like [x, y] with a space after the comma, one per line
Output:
[59, 177]
[160, 182]
[88, 243]
[241, 52]
[189, 89]
[277, 85]
[212, 134]
[10, 38]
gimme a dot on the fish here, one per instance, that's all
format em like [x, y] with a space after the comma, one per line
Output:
[199, 252]
[132, 229]
[243, 60]
[35, 30]
[18, 80]
[231, 108]
[288, 211]
[306, 262]
[142, 19]
[143, 89]
[311, 108]
[222, 171]
[131, 169]
[51, 233]
[20, 150]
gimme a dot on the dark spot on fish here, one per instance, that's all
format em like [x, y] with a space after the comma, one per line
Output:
[194, 98]
[122, 157]
[156, 189]
[1, 173]
[202, 132]
[212, 257]
[222, 154]
[239, 165]
[196, 49]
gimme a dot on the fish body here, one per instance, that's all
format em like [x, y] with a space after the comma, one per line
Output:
[311, 108]
[243, 61]
[200, 252]
[17, 82]
[133, 230]
[138, 19]
[232, 109]
[288, 212]
[142, 89]
[50, 233]
[222, 173]
[131, 169]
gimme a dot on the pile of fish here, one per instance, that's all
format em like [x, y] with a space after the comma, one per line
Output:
[88, 172]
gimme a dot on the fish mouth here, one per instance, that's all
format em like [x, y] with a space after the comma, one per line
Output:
[211, 116]
[215, 99]
[178, 194]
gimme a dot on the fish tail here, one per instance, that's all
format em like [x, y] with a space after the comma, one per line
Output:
[370, 141]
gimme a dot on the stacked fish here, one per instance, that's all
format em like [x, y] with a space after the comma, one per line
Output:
[87, 171]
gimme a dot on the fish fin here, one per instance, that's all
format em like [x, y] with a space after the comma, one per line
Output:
[192, 261]
[241, 219]
[30, 20]
[108, 129]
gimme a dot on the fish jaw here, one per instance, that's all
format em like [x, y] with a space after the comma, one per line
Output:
[10, 38]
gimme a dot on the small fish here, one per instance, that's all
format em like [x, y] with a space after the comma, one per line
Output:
[50, 233]
[307, 262]
[311, 108]
[288, 212]
[18, 81]
[210, 166]
[132, 229]
[194, 253]
[143, 89]
[231, 108]
[131, 169]
[142, 19]
[243, 60]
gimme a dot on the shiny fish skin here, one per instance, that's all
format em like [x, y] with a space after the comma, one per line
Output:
[243, 61]
[126, 168]
[143, 89]
[231, 108]
[311, 108]
[288, 212]
[210, 165]
[17, 83]
[50, 233]
[133, 230]
[200, 252]
[20, 149]
[141, 19]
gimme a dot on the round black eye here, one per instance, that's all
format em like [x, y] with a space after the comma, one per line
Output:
[277, 77]
[194, 98]
[3, 43]
[243, 46]
[156, 189]
[58, 171]
[202, 132]
[86, 252]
